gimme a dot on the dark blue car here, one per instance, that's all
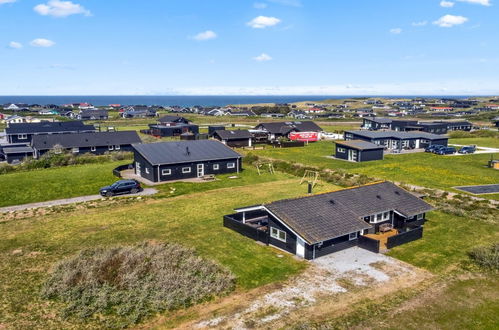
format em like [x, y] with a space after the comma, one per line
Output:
[446, 151]
[121, 187]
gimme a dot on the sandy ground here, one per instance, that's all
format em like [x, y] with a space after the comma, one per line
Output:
[331, 283]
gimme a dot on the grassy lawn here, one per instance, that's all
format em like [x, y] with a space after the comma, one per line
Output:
[55, 183]
[422, 169]
[30, 247]
[489, 142]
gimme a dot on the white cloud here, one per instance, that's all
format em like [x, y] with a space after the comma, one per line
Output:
[206, 35]
[446, 4]
[6, 1]
[15, 45]
[262, 22]
[422, 23]
[262, 58]
[478, 2]
[450, 21]
[260, 5]
[396, 31]
[58, 8]
[40, 42]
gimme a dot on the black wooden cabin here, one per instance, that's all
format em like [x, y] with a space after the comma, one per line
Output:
[358, 151]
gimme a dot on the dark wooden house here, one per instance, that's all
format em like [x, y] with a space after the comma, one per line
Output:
[314, 226]
[173, 120]
[173, 130]
[358, 151]
[167, 161]
[23, 133]
[395, 140]
[96, 114]
[15, 153]
[234, 138]
[276, 130]
[86, 143]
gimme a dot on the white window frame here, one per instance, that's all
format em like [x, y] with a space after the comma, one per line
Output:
[216, 167]
[381, 218]
[93, 148]
[186, 170]
[342, 150]
[118, 147]
[110, 148]
[147, 170]
[231, 165]
[166, 171]
[420, 216]
[353, 236]
[276, 234]
[22, 136]
[75, 150]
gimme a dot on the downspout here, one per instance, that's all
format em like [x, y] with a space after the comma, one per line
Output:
[158, 175]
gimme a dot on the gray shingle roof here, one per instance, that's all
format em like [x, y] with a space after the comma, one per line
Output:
[49, 127]
[184, 151]
[81, 140]
[17, 150]
[398, 135]
[359, 145]
[380, 120]
[233, 134]
[322, 217]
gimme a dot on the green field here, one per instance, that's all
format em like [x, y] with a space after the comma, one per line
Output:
[489, 142]
[424, 169]
[55, 183]
[29, 248]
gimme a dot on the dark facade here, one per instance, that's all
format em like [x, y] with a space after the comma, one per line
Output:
[16, 154]
[234, 138]
[174, 130]
[23, 133]
[398, 140]
[373, 123]
[435, 127]
[93, 115]
[358, 151]
[212, 129]
[170, 161]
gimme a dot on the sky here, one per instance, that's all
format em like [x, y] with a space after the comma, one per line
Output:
[239, 47]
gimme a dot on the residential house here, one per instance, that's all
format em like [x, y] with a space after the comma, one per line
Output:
[376, 123]
[314, 226]
[358, 151]
[167, 161]
[242, 113]
[234, 138]
[282, 129]
[96, 114]
[173, 120]
[15, 153]
[23, 133]
[396, 140]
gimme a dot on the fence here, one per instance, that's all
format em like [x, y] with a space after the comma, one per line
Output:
[243, 229]
[369, 244]
[117, 170]
[403, 238]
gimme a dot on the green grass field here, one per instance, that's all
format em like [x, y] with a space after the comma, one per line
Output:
[55, 183]
[489, 142]
[30, 247]
[424, 169]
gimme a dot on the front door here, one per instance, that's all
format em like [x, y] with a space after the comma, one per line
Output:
[352, 155]
[137, 168]
[300, 248]
[200, 170]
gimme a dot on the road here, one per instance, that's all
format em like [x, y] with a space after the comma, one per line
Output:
[66, 201]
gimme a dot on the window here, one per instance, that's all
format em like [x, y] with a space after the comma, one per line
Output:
[216, 167]
[231, 165]
[380, 217]
[166, 171]
[147, 170]
[278, 234]
[22, 136]
[186, 170]
[117, 147]
[352, 236]
[93, 148]
[75, 150]
[110, 148]
[342, 150]
[420, 216]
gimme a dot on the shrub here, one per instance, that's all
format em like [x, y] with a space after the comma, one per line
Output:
[128, 283]
[486, 257]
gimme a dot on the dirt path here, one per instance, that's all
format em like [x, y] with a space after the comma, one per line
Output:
[66, 201]
[331, 284]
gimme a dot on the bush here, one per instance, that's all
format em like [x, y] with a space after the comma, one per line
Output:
[486, 257]
[128, 283]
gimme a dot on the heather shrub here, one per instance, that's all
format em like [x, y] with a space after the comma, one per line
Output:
[486, 257]
[127, 283]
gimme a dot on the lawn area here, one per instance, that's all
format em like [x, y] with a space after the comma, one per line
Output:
[422, 169]
[55, 183]
[489, 142]
[30, 247]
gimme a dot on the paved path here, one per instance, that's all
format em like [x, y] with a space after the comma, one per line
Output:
[145, 192]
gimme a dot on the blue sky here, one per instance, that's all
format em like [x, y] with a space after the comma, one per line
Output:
[322, 47]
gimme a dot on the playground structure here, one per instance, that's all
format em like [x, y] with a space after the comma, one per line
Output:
[311, 177]
[260, 167]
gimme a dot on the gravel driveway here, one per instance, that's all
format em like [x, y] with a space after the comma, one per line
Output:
[145, 192]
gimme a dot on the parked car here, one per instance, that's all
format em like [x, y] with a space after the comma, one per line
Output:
[121, 187]
[433, 148]
[446, 151]
[467, 150]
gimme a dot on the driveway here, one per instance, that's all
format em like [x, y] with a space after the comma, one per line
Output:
[353, 274]
[81, 199]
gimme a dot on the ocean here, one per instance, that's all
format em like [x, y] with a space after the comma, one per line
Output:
[180, 100]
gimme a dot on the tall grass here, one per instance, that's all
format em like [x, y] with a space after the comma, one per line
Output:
[128, 283]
